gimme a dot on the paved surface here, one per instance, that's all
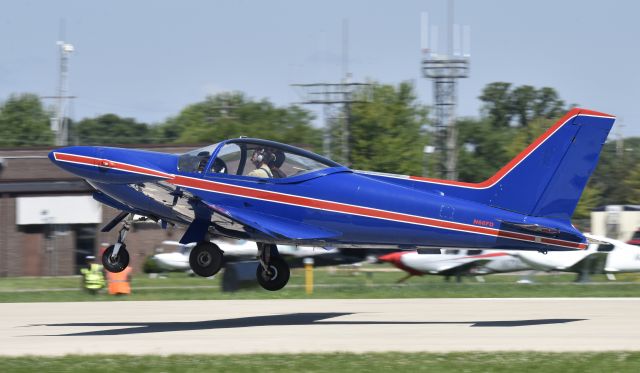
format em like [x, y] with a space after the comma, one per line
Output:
[554, 324]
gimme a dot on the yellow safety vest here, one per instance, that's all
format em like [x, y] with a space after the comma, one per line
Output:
[93, 277]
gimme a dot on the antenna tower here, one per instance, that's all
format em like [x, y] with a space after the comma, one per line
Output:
[59, 125]
[445, 70]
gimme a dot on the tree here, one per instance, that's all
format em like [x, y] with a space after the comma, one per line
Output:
[617, 174]
[496, 98]
[504, 104]
[24, 122]
[590, 199]
[387, 134]
[229, 115]
[482, 149]
[632, 181]
[110, 129]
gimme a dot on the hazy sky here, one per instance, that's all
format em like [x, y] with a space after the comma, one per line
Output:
[148, 59]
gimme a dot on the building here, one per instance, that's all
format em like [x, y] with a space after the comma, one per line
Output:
[616, 221]
[49, 221]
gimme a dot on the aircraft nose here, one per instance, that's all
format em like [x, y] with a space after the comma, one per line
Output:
[393, 258]
[79, 160]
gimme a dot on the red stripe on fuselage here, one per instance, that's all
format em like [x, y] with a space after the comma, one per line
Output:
[108, 164]
[66, 157]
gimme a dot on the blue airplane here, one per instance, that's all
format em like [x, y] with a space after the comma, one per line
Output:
[273, 193]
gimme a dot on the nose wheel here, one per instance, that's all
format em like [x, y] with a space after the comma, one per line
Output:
[272, 272]
[205, 259]
[116, 257]
[118, 262]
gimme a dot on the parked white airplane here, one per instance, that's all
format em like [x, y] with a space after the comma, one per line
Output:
[604, 255]
[236, 250]
[454, 262]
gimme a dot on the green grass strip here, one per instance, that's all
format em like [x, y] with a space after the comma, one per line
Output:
[338, 285]
[335, 362]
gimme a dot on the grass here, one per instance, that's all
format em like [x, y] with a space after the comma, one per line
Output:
[329, 284]
[338, 362]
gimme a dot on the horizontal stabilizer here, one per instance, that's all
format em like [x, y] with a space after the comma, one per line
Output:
[535, 228]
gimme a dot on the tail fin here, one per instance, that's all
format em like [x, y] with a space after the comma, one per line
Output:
[548, 177]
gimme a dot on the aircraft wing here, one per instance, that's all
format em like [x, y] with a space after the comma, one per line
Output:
[257, 225]
[454, 268]
[593, 263]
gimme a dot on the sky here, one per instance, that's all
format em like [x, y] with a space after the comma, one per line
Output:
[149, 59]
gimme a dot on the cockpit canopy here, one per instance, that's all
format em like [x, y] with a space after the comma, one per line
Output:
[242, 156]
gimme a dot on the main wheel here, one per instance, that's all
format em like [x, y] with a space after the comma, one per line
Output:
[205, 259]
[277, 275]
[117, 264]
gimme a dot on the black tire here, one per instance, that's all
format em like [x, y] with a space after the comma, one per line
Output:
[205, 259]
[117, 264]
[277, 277]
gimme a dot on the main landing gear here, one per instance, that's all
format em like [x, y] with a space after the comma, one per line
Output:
[272, 272]
[206, 259]
[116, 257]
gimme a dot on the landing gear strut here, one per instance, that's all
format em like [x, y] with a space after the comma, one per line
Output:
[116, 257]
[272, 272]
[206, 259]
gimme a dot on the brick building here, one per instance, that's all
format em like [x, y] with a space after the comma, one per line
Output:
[50, 236]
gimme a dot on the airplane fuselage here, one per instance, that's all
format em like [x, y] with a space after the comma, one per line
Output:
[353, 209]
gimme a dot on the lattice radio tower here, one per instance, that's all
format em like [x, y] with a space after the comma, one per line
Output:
[59, 123]
[445, 70]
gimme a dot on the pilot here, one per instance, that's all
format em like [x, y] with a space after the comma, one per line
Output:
[261, 159]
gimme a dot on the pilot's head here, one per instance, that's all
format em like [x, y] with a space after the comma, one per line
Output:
[261, 156]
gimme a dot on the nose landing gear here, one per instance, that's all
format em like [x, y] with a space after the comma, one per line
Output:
[116, 257]
[272, 272]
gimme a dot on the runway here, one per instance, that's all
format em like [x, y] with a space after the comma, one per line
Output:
[321, 325]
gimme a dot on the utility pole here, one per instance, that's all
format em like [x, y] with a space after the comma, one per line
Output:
[444, 71]
[344, 93]
[330, 94]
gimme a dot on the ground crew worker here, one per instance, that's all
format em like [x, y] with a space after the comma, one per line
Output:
[120, 283]
[92, 275]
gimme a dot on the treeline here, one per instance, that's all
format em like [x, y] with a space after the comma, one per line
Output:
[388, 134]
[25, 122]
